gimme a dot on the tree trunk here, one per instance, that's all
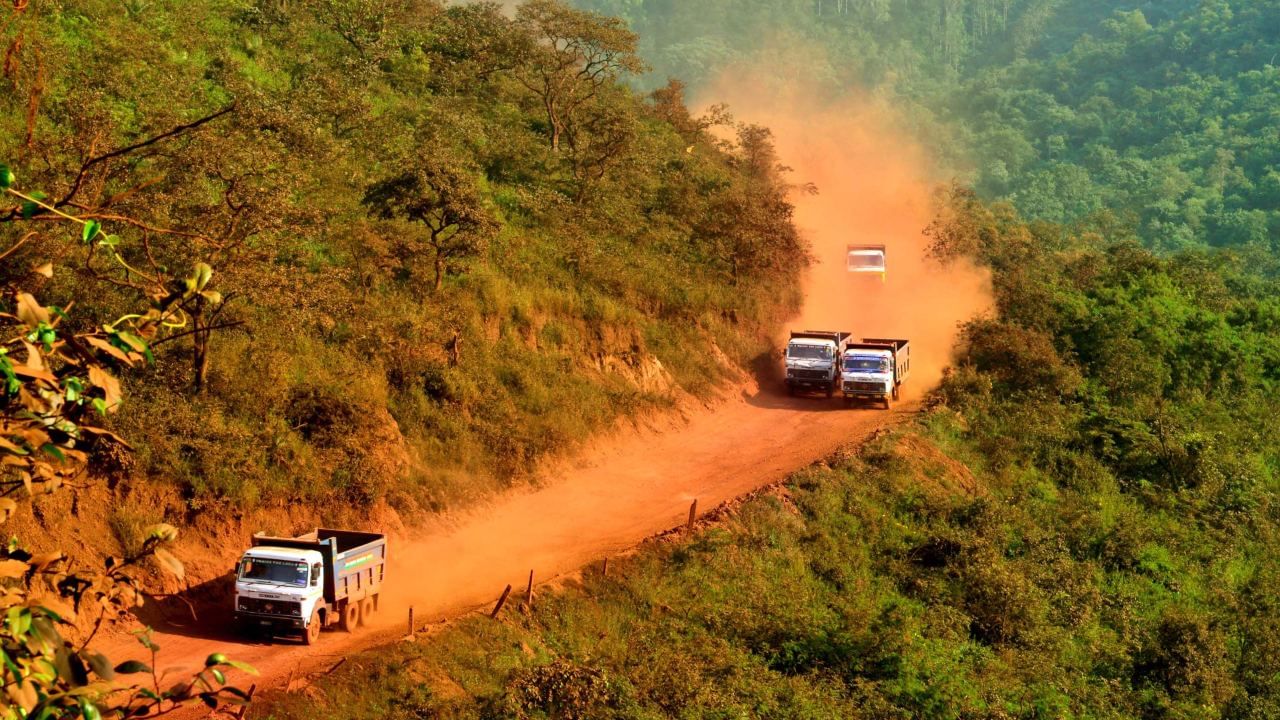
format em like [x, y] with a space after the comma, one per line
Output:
[199, 349]
[439, 270]
[553, 119]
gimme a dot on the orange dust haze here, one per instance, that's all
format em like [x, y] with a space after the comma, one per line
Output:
[876, 186]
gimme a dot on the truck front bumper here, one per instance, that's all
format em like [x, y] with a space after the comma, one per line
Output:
[864, 390]
[278, 623]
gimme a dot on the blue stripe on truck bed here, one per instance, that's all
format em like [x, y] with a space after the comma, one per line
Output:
[358, 561]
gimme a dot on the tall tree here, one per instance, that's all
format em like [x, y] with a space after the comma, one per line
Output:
[444, 199]
[577, 54]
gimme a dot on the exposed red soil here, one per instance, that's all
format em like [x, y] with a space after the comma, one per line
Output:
[626, 488]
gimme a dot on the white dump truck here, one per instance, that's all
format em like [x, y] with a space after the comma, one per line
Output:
[298, 585]
[866, 259]
[813, 360]
[874, 369]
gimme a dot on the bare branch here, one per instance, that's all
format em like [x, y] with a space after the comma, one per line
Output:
[84, 169]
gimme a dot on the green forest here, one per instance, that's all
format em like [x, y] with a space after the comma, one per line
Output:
[1161, 115]
[1082, 522]
[393, 254]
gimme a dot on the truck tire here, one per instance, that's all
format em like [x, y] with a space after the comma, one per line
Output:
[311, 633]
[350, 619]
[366, 611]
[895, 393]
[831, 390]
[886, 402]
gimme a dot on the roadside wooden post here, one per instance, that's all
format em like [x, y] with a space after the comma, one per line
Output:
[693, 515]
[528, 593]
[410, 622]
[249, 698]
[604, 568]
[501, 601]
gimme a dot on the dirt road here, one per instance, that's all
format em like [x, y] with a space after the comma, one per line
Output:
[607, 499]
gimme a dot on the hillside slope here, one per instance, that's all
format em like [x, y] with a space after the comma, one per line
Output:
[423, 280]
[1081, 524]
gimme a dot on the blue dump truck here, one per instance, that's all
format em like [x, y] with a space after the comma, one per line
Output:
[298, 585]
[875, 369]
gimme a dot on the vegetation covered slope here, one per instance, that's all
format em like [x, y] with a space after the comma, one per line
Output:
[1081, 525]
[1160, 113]
[443, 241]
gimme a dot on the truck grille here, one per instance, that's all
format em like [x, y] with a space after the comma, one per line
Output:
[810, 374]
[864, 387]
[270, 607]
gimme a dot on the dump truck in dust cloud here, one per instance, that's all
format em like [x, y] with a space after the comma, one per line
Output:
[813, 360]
[866, 260]
[875, 369]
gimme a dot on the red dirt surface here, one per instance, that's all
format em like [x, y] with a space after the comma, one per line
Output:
[607, 500]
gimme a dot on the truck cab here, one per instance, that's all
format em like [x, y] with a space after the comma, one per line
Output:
[813, 361]
[279, 588]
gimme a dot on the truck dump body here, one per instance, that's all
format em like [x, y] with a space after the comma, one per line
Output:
[833, 336]
[355, 562]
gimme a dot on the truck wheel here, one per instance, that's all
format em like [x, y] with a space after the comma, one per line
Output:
[311, 634]
[886, 402]
[895, 392]
[366, 611]
[350, 619]
[831, 390]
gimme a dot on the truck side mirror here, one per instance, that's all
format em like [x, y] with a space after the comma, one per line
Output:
[315, 574]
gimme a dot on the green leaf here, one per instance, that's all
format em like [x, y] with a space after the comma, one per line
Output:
[217, 675]
[7, 178]
[29, 208]
[101, 666]
[91, 230]
[170, 563]
[89, 710]
[215, 659]
[74, 388]
[242, 667]
[109, 241]
[163, 532]
[201, 273]
[131, 667]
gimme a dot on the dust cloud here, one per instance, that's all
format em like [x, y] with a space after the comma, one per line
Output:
[876, 186]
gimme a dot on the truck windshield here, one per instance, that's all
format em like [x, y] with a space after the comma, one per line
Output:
[280, 572]
[857, 364]
[809, 352]
[866, 261]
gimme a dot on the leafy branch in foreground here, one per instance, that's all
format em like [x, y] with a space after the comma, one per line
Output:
[54, 385]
